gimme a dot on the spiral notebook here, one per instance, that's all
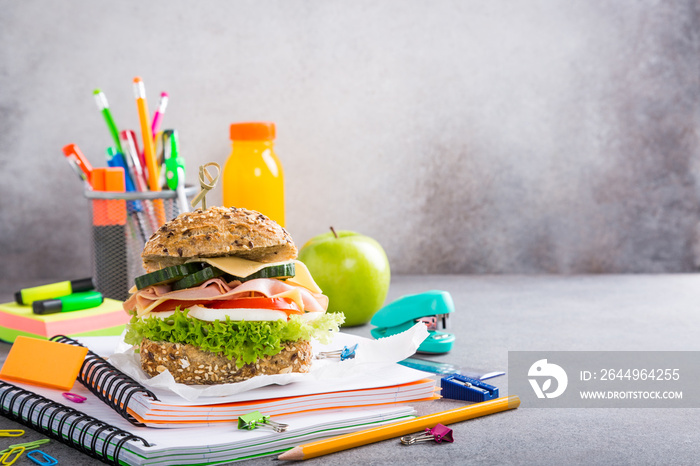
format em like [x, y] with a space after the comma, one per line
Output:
[142, 407]
[99, 431]
[107, 427]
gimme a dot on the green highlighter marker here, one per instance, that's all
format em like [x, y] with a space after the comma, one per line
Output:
[72, 302]
[102, 104]
[54, 290]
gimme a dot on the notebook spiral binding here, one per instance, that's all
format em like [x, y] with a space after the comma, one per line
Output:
[30, 409]
[99, 376]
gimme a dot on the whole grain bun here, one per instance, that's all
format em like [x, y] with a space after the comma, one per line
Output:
[193, 366]
[218, 231]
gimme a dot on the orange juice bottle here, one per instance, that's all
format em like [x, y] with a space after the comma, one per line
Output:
[253, 176]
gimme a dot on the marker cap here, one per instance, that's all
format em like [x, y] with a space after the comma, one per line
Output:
[48, 306]
[82, 284]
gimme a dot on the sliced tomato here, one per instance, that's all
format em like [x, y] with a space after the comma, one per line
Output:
[277, 304]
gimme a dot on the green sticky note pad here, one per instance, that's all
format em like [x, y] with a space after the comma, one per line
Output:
[42, 362]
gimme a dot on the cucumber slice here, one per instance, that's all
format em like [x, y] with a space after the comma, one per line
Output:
[207, 273]
[167, 275]
[273, 271]
[197, 278]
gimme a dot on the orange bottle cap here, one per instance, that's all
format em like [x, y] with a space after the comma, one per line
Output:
[253, 131]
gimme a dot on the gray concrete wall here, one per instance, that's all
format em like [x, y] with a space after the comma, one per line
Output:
[466, 136]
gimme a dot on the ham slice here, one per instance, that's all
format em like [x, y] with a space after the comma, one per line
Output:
[160, 298]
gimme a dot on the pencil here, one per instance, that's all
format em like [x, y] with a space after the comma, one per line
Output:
[102, 104]
[376, 434]
[148, 147]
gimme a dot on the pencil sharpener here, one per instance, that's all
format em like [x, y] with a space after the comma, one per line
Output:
[459, 387]
[431, 307]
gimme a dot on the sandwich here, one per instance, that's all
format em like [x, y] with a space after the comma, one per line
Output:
[224, 300]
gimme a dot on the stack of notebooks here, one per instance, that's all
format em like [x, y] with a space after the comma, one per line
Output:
[121, 422]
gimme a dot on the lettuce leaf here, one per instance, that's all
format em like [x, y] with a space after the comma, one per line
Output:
[244, 342]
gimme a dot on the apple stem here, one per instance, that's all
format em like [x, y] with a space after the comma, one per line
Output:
[334, 233]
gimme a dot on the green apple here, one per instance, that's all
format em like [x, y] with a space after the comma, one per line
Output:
[352, 270]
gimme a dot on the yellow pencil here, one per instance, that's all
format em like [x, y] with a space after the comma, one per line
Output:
[149, 150]
[376, 434]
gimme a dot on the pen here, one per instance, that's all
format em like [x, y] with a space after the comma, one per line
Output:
[102, 104]
[117, 159]
[71, 302]
[132, 154]
[162, 145]
[73, 153]
[376, 434]
[148, 147]
[134, 208]
[160, 111]
[76, 168]
[27, 296]
[175, 172]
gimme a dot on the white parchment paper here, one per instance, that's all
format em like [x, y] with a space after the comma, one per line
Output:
[371, 356]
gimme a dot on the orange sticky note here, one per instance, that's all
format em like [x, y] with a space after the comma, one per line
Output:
[43, 362]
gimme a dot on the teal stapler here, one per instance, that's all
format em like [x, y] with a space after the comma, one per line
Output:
[431, 308]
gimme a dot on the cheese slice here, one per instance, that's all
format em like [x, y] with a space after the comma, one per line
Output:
[242, 268]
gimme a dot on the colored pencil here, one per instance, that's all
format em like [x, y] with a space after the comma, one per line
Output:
[149, 149]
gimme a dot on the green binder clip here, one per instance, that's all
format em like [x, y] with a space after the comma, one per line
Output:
[432, 308]
[252, 420]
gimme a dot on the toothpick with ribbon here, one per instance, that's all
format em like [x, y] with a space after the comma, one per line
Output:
[207, 183]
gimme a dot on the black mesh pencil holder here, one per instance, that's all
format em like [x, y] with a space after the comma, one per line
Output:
[121, 224]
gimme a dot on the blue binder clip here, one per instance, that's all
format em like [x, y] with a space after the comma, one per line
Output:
[431, 308]
[345, 353]
[459, 387]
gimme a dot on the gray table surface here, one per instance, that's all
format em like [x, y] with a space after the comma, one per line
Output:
[497, 314]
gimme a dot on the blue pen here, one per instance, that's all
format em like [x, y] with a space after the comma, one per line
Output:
[116, 159]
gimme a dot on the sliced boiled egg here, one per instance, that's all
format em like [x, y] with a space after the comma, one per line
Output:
[210, 315]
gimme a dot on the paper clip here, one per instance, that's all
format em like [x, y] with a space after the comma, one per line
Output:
[74, 397]
[17, 450]
[42, 458]
[26, 446]
[11, 433]
[345, 353]
[439, 433]
[252, 420]
[459, 387]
